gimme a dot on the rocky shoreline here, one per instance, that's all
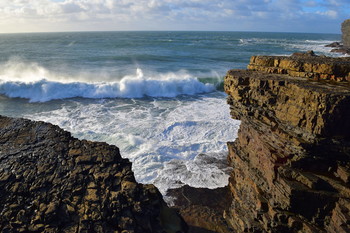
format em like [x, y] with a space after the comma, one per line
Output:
[291, 164]
[52, 182]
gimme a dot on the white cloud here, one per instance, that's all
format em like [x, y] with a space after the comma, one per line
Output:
[331, 14]
[38, 15]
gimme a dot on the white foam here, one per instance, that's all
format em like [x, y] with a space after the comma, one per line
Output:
[33, 82]
[171, 142]
[318, 46]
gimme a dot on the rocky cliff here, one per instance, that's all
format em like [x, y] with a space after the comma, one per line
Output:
[52, 182]
[291, 161]
[345, 28]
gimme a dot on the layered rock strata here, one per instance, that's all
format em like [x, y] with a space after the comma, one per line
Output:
[304, 65]
[52, 182]
[291, 161]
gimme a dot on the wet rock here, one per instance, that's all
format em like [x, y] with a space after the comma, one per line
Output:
[291, 157]
[52, 182]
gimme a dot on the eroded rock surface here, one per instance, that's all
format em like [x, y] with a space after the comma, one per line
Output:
[291, 161]
[52, 182]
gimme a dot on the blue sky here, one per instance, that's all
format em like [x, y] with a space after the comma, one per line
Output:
[323, 16]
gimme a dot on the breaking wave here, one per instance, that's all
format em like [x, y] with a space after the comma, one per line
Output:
[39, 85]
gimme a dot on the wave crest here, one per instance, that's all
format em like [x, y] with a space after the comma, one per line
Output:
[38, 85]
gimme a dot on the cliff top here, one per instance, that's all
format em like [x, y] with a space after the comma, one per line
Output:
[305, 65]
[321, 86]
[310, 57]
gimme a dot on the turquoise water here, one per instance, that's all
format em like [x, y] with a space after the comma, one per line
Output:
[156, 95]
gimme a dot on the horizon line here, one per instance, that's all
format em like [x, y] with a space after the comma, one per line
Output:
[90, 31]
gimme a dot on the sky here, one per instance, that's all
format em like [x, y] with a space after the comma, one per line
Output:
[323, 16]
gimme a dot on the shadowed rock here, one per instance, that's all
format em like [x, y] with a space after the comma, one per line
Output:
[202, 209]
[52, 182]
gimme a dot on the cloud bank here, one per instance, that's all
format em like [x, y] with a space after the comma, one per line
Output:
[235, 15]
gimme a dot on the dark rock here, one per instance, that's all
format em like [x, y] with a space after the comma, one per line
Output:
[343, 50]
[334, 45]
[291, 157]
[202, 209]
[52, 182]
[309, 53]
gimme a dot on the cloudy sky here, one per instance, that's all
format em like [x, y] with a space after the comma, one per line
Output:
[220, 15]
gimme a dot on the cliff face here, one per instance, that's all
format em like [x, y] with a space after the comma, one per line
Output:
[52, 182]
[345, 28]
[291, 161]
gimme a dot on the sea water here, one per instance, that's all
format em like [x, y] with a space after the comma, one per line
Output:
[156, 95]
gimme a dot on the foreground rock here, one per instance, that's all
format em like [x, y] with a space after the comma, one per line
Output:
[292, 157]
[52, 182]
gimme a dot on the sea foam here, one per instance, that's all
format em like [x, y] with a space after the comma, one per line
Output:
[171, 142]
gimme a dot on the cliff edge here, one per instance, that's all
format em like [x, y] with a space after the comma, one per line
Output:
[52, 182]
[291, 161]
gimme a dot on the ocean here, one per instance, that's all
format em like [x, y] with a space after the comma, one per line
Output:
[156, 95]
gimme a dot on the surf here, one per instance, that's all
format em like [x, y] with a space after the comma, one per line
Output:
[38, 84]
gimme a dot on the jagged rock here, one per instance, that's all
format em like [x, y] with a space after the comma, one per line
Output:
[345, 28]
[52, 182]
[291, 157]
